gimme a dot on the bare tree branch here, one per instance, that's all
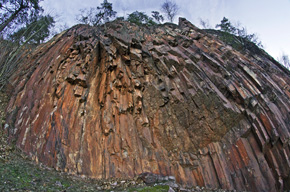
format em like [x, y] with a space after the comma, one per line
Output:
[170, 9]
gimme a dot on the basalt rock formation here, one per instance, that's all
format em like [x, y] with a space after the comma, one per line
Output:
[119, 100]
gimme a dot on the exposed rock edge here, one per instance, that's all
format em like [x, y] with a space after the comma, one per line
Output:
[120, 100]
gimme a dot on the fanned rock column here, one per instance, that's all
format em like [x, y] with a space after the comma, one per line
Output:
[120, 100]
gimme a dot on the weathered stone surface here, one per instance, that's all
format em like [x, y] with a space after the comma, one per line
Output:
[170, 100]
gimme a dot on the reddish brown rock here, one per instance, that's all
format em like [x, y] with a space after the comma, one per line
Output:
[122, 100]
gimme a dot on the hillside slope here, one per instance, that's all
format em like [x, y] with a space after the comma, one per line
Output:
[120, 100]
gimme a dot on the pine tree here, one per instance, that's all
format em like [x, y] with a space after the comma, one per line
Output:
[97, 16]
[16, 12]
[34, 32]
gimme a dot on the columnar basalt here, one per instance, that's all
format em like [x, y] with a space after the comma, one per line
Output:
[119, 100]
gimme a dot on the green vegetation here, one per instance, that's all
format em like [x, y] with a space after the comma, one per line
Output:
[105, 13]
[157, 188]
[34, 32]
[9, 56]
[16, 12]
[140, 18]
[20, 174]
[168, 7]
[22, 27]
[97, 16]
[22, 22]
[234, 35]
[237, 36]
[157, 16]
[226, 26]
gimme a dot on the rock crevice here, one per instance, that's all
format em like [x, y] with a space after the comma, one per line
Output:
[120, 100]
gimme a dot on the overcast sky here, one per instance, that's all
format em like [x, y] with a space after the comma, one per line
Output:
[270, 19]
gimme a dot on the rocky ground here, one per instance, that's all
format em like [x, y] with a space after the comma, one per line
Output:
[18, 173]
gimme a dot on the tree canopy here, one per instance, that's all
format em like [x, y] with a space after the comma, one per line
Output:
[240, 34]
[99, 15]
[226, 26]
[157, 16]
[140, 18]
[34, 32]
[17, 12]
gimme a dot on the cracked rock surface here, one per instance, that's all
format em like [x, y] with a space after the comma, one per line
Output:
[120, 100]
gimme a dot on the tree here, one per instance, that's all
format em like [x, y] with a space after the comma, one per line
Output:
[99, 15]
[170, 9]
[236, 34]
[15, 12]
[34, 32]
[140, 18]
[156, 15]
[105, 13]
[226, 26]
[244, 37]
[87, 16]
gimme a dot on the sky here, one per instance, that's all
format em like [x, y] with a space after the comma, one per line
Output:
[269, 19]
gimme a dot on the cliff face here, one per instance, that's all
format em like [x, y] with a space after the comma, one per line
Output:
[121, 100]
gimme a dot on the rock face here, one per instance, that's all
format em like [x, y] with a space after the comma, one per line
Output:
[120, 100]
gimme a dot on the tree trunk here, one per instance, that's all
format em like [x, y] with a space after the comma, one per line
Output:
[11, 18]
